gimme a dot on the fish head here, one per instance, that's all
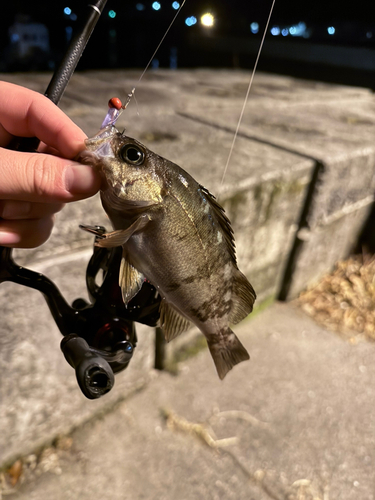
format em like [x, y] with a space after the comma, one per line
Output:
[132, 174]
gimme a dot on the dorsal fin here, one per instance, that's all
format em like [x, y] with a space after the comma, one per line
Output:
[243, 294]
[223, 220]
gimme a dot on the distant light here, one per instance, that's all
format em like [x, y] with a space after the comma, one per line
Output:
[275, 30]
[140, 6]
[331, 30]
[175, 5]
[369, 34]
[254, 28]
[190, 21]
[73, 16]
[156, 6]
[285, 32]
[207, 20]
[299, 30]
[14, 37]
[112, 14]
[67, 11]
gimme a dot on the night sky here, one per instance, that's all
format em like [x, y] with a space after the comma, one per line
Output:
[362, 10]
[137, 33]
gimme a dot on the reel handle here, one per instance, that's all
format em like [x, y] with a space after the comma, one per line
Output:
[94, 375]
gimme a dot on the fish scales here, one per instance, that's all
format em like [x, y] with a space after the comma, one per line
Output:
[194, 252]
[174, 234]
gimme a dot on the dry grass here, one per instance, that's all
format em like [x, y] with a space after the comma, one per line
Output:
[344, 300]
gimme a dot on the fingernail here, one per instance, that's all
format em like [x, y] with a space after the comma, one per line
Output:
[81, 179]
[9, 238]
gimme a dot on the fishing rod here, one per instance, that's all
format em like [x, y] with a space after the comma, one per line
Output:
[65, 69]
[99, 336]
[68, 64]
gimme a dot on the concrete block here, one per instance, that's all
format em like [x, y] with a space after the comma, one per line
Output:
[332, 124]
[264, 218]
[335, 126]
[319, 249]
[342, 182]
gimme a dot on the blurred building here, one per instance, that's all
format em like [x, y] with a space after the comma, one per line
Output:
[28, 46]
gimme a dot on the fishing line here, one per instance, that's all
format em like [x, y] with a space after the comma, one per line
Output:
[246, 97]
[161, 41]
[115, 105]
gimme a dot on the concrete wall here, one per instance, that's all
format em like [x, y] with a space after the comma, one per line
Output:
[298, 189]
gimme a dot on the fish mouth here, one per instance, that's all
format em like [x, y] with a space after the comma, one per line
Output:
[98, 147]
[87, 157]
[104, 135]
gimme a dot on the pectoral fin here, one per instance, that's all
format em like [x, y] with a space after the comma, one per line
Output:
[171, 321]
[121, 236]
[130, 280]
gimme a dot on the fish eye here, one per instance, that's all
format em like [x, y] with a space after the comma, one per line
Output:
[132, 154]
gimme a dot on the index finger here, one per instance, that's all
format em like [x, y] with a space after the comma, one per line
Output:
[26, 113]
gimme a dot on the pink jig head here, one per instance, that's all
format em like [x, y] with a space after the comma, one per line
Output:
[115, 108]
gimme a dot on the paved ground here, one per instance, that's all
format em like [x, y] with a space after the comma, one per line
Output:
[297, 423]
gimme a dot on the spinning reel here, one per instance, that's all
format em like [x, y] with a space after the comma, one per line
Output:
[99, 336]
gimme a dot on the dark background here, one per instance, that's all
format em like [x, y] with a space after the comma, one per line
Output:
[130, 38]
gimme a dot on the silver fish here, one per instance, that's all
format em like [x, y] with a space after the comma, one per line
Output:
[174, 234]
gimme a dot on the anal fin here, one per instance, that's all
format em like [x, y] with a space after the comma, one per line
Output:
[171, 321]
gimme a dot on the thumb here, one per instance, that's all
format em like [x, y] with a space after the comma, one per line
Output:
[44, 178]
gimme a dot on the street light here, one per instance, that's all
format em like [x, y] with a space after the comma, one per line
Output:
[207, 20]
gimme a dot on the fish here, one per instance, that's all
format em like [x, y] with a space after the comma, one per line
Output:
[175, 235]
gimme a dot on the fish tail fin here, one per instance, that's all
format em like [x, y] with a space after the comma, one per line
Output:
[227, 352]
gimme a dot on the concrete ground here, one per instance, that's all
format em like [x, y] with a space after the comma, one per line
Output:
[296, 422]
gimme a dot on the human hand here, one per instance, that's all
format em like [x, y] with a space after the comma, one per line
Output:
[35, 186]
